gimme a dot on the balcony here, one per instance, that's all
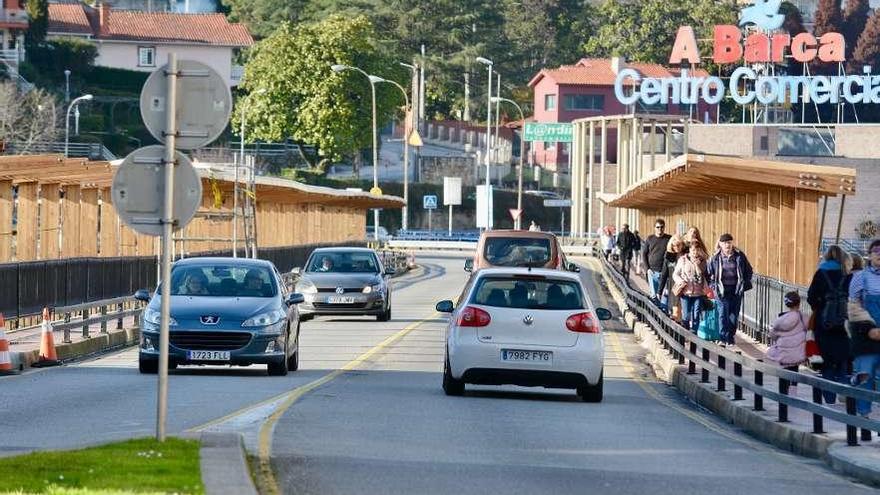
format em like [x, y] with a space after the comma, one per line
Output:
[15, 18]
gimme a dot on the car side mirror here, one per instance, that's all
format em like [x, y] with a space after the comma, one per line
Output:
[468, 265]
[142, 295]
[446, 306]
[603, 314]
[296, 272]
[390, 271]
[294, 298]
[574, 268]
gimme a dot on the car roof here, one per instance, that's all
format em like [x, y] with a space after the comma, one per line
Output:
[519, 233]
[213, 260]
[344, 250]
[544, 272]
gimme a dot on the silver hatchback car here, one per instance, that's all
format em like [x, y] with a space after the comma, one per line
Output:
[344, 281]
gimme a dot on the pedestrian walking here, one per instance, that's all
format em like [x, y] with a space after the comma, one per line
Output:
[827, 296]
[637, 253]
[606, 237]
[654, 251]
[730, 276]
[789, 335]
[533, 227]
[864, 314]
[690, 281]
[668, 300]
[626, 243]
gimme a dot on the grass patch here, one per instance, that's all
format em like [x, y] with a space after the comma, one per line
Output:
[134, 466]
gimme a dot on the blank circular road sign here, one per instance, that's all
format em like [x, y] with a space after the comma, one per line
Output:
[139, 190]
[204, 104]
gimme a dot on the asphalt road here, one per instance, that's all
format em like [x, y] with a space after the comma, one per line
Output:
[384, 425]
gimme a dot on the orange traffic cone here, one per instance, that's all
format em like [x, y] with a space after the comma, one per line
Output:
[5, 357]
[48, 357]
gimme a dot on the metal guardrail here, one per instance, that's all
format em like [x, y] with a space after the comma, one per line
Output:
[67, 318]
[734, 367]
[92, 151]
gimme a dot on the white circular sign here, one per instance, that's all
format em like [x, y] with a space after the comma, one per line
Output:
[204, 104]
[138, 190]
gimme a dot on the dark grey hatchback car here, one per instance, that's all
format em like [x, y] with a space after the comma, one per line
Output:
[234, 311]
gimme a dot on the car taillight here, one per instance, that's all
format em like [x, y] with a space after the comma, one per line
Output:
[473, 317]
[582, 323]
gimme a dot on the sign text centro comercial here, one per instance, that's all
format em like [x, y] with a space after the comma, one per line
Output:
[548, 132]
[745, 84]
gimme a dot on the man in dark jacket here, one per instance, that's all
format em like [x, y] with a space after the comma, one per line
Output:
[730, 276]
[653, 257]
[626, 244]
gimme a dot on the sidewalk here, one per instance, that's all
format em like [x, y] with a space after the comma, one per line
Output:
[795, 435]
[24, 344]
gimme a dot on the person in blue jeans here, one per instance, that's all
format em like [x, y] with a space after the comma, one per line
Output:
[830, 283]
[864, 313]
[730, 276]
[689, 279]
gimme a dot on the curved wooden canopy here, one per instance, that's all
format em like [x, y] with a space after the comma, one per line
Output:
[690, 178]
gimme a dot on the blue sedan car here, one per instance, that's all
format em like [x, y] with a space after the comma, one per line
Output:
[233, 311]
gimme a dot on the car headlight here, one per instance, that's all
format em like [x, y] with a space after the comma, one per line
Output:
[265, 319]
[306, 287]
[372, 288]
[155, 317]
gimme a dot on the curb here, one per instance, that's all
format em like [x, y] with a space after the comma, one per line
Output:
[97, 343]
[836, 454]
[224, 465]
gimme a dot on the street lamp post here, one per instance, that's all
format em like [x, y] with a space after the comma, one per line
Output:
[66, 85]
[406, 131]
[340, 68]
[522, 152]
[73, 104]
[240, 162]
[489, 64]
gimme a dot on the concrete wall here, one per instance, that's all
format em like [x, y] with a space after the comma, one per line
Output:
[123, 55]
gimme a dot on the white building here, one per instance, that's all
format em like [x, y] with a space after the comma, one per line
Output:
[13, 24]
[137, 40]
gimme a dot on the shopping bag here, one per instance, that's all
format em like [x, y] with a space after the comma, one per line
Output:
[812, 351]
[710, 326]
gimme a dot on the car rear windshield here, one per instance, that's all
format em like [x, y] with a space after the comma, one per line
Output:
[517, 251]
[222, 281]
[343, 262]
[526, 293]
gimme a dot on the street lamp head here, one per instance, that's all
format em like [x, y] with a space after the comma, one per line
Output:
[338, 67]
[483, 60]
[66, 72]
[408, 66]
[496, 99]
[87, 97]
[375, 79]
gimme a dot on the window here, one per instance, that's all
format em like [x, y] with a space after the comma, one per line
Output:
[549, 145]
[565, 148]
[146, 56]
[222, 281]
[549, 102]
[584, 102]
[517, 251]
[528, 293]
[343, 262]
[654, 108]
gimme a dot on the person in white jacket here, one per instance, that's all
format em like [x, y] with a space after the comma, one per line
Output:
[789, 335]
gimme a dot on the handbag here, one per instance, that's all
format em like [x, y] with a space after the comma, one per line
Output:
[707, 304]
[678, 288]
[811, 349]
[710, 328]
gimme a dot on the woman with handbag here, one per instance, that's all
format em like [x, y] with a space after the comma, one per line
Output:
[689, 281]
[674, 251]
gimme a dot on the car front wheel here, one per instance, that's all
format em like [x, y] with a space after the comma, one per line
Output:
[279, 368]
[148, 366]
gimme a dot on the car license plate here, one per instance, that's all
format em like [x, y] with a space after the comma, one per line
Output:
[340, 300]
[207, 355]
[538, 357]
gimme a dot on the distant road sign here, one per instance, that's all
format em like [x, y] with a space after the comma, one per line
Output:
[204, 104]
[429, 202]
[415, 139]
[548, 132]
[139, 190]
[452, 191]
[557, 203]
[515, 213]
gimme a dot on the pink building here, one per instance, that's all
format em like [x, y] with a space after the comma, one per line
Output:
[586, 89]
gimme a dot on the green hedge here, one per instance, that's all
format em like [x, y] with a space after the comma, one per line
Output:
[118, 81]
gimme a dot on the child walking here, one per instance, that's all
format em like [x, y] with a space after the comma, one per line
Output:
[789, 335]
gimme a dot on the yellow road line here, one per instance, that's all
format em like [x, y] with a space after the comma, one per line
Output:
[267, 477]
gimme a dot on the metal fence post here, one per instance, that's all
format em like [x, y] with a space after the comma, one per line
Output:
[704, 373]
[103, 320]
[851, 437]
[692, 365]
[783, 408]
[722, 364]
[759, 399]
[681, 342]
[120, 308]
[817, 418]
[85, 322]
[737, 372]
[66, 338]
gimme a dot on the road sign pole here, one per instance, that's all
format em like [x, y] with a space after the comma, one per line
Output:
[430, 228]
[167, 225]
[450, 220]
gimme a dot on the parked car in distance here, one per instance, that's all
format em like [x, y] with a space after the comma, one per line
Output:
[519, 248]
[344, 281]
[233, 311]
[371, 233]
[519, 326]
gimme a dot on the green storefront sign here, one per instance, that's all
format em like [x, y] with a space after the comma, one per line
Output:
[548, 133]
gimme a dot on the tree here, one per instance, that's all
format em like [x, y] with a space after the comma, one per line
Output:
[828, 19]
[38, 22]
[867, 51]
[305, 100]
[854, 19]
[262, 17]
[27, 118]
